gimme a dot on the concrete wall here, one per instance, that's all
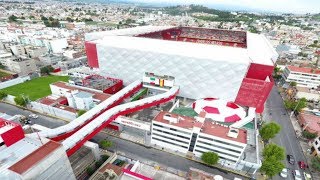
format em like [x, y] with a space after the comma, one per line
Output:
[42, 108]
[14, 82]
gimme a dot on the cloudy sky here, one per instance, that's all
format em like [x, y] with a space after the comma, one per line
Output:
[293, 6]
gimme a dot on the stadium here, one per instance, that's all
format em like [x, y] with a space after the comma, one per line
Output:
[231, 65]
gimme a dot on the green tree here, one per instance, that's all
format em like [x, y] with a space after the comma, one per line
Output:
[105, 144]
[12, 18]
[293, 84]
[3, 95]
[273, 150]
[271, 166]
[20, 100]
[90, 170]
[46, 70]
[210, 158]
[44, 18]
[309, 135]
[269, 130]
[2, 66]
[296, 105]
[315, 163]
[80, 112]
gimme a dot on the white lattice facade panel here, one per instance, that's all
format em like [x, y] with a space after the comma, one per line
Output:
[197, 78]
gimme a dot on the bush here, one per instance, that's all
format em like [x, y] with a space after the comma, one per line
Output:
[105, 144]
[90, 170]
[315, 163]
[210, 158]
[104, 157]
[98, 164]
[3, 95]
[309, 135]
[21, 101]
[81, 112]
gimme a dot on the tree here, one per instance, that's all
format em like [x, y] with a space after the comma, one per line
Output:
[293, 84]
[2, 66]
[269, 130]
[296, 105]
[3, 95]
[271, 166]
[315, 163]
[46, 70]
[20, 100]
[309, 135]
[210, 158]
[44, 18]
[105, 144]
[12, 18]
[273, 150]
[80, 112]
[90, 170]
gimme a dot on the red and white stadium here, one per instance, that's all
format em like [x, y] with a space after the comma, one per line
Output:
[231, 65]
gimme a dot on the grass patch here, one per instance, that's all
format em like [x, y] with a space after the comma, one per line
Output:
[35, 88]
[185, 111]
[3, 74]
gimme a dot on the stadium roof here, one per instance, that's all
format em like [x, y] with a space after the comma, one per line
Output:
[258, 50]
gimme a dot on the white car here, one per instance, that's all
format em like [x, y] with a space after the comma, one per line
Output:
[307, 176]
[297, 175]
[34, 116]
[284, 173]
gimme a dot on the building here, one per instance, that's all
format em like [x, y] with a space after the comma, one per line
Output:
[186, 134]
[234, 65]
[309, 122]
[67, 64]
[18, 50]
[315, 149]
[308, 93]
[24, 157]
[306, 77]
[34, 52]
[20, 65]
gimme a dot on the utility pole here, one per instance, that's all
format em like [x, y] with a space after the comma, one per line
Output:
[295, 108]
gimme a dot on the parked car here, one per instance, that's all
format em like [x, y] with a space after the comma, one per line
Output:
[307, 176]
[302, 165]
[27, 121]
[290, 159]
[297, 175]
[34, 116]
[284, 173]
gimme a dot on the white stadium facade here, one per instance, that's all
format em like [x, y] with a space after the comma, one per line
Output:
[232, 65]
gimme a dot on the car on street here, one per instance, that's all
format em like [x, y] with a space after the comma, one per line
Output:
[290, 159]
[34, 116]
[284, 173]
[307, 176]
[302, 165]
[27, 121]
[297, 175]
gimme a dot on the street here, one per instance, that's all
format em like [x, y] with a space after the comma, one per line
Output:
[276, 111]
[42, 120]
[130, 149]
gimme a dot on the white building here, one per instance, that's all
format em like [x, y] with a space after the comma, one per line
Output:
[31, 158]
[315, 149]
[306, 77]
[186, 134]
[80, 99]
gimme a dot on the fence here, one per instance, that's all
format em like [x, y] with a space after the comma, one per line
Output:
[46, 109]
[14, 82]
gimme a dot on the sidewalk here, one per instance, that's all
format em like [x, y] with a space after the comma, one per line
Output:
[305, 146]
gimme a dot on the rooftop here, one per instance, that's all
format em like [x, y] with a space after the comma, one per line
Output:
[27, 162]
[115, 168]
[96, 95]
[208, 127]
[259, 50]
[82, 94]
[303, 70]
[311, 121]
[17, 151]
[216, 129]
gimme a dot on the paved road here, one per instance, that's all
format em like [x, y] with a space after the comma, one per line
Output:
[130, 149]
[276, 111]
[42, 120]
[143, 153]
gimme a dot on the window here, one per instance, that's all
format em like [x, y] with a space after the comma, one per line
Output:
[316, 142]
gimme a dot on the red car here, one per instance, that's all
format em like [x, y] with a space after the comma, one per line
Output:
[302, 165]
